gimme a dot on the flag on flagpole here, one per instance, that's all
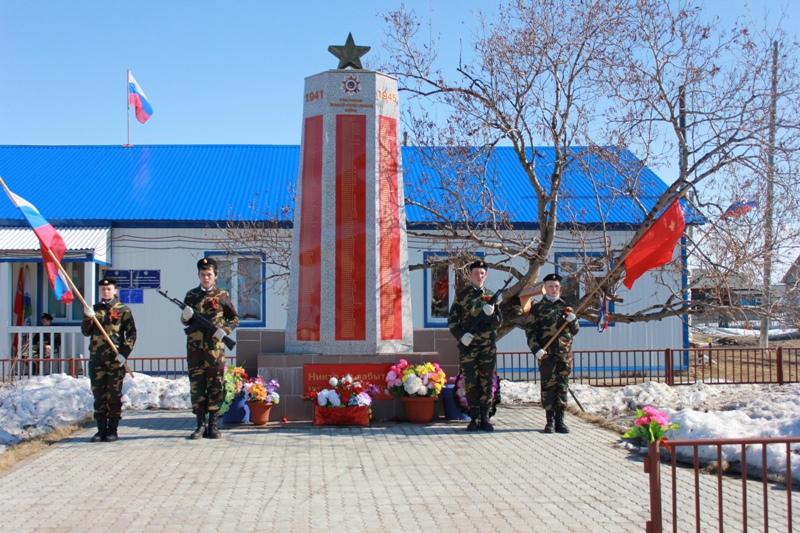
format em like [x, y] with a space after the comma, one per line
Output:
[740, 207]
[50, 240]
[27, 301]
[656, 246]
[137, 98]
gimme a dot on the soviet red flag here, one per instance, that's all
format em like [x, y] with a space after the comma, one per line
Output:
[656, 246]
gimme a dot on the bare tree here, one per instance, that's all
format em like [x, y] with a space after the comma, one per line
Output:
[595, 82]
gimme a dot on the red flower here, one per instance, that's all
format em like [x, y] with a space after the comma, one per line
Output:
[284, 419]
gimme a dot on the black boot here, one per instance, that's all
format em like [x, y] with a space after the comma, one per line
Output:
[111, 434]
[560, 426]
[101, 429]
[485, 425]
[201, 427]
[213, 432]
[474, 423]
[548, 428]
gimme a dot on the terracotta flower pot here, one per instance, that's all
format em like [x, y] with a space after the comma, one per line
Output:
[419, 409]
[259, 412]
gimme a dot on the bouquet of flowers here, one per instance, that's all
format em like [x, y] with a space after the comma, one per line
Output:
[345, 392]
[651, 425]
[233, 379]
[257, 390]
[405, 379]
[460, 393]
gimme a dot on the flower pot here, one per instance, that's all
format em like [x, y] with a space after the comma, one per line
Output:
[259, 412]
[419, 409]
[341, 416]
[238, 412]
[451, 410]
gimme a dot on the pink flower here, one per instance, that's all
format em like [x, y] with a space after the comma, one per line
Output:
[655, 414]
[643, 421]
[391, 376]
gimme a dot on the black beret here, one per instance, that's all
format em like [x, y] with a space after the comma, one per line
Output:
[552, 277]
[108, 281]
[477, 264]
[47, 316]
[207, 262]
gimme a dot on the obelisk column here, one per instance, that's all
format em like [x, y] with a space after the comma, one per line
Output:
[349, 290]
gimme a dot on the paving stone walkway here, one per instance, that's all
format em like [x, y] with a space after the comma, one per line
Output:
[388, 477]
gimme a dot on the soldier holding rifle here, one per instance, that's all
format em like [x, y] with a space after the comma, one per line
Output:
[205, 350]
[476, 343]
[107, 365]
[544, 320]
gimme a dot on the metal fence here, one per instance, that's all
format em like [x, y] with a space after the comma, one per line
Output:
[673, 366]
[723, 501]
[166, 367]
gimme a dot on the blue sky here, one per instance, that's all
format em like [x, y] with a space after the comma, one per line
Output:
[215, 72]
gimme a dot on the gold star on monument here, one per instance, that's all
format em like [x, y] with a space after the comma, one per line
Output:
[349, 55]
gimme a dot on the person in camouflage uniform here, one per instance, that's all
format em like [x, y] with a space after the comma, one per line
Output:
[477, 346]
[205, 351]
[107, 367]
[544, 319]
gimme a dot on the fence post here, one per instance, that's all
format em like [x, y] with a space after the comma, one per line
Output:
[668, 367]
[652, 466]
[779, 357]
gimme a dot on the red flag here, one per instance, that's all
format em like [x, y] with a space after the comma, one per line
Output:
[656, 246]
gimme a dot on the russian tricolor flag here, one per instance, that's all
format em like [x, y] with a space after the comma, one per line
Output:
[740, 207]
[137, 97]
[50, 240]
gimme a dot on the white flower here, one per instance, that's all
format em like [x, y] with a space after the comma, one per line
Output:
[322, 397]
[276, 398]
[332, 382]
[347, 379]
[362, 398]
[334, 398]
[422, 390]
[411, 384]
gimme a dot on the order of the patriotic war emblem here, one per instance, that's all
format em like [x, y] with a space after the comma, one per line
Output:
[351, 85]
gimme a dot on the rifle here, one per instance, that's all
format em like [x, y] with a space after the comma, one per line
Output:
[481, 317]
[200, 322]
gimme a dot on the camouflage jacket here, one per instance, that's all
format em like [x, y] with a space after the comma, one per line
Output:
[543, 321]
[117, 319]
[215, 305]
[467, 306]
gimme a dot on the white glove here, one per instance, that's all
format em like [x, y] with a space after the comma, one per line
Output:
[187, 313]
[120, 359]
[571, 317]
[539, 354]
[219, 334]
[88, 312]
[466, 339]
[488, 310]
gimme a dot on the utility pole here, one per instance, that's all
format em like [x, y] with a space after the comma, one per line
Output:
[768, 230]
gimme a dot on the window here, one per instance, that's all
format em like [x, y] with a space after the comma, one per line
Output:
[442, 282]
[242, 276]
[582, 273]
[59, 310]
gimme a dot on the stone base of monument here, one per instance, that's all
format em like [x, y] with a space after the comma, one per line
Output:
[288, 369]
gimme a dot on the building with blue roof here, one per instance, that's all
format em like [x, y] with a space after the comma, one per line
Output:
[148, 209]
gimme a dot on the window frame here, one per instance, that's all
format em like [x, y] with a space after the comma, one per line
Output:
[428, 320]
[562, 258]
[233, 290]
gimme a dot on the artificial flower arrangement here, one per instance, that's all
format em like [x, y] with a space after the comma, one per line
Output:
[257, 390]
[651, 425]
[405, 379]
[460, 392]
[345, 402]
[233, 379]
[345, 392]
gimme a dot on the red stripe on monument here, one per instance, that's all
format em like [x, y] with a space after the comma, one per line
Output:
[351, 229]
[310, 275]
[391, 289]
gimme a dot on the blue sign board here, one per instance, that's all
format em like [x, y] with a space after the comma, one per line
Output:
[146, 279]
[131, 296]
[123, 278]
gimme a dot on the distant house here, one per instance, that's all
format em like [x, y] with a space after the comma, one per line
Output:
[148, 213]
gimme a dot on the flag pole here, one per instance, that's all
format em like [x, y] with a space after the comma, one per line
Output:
[128, 102]
[620, 262]
[83, 302]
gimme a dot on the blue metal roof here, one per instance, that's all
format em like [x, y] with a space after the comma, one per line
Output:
[176, 184]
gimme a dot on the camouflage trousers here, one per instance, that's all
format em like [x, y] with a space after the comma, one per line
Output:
[106, 380]
[206, 373]
[555, 382]
[477, 365]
